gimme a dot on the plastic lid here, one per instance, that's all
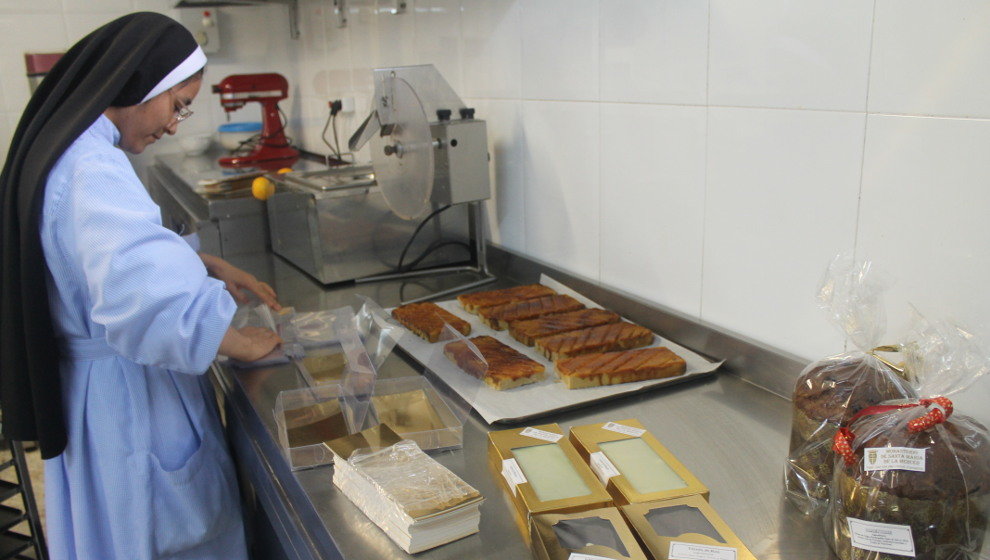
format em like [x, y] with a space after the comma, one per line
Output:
[240, 127]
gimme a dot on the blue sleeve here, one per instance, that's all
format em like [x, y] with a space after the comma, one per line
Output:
[148, 288]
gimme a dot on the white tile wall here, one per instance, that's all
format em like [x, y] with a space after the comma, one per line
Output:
[438, 37]
[923, 214]
[96, 6]
[782, 195]
[492, 49]
[396, 34]
[313, 79]
[654, 51]
[506, 146]
[748, 117]
[82, 23]
[777, 53]
[18, 7]
[561, 166]
[653, 195]
[931, 58]
[24, 33]
[560, 50]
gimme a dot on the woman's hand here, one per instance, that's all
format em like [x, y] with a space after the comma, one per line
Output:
[248, 344]
[238, 281]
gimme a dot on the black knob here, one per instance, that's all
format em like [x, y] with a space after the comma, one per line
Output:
[443, 114]
[467, 112]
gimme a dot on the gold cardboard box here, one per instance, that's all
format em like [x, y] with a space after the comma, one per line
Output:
[635, 465]
[542, 473]
[600, 533]
[684, 528]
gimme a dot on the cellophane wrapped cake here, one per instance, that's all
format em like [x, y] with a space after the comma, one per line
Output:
[830, 391]
[911, 477]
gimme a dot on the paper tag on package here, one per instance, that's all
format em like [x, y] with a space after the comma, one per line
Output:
[881, 537]
[541, 434]
[602, 467]
[622, 429]
[693, 551]
[512, 474]
[894, 458]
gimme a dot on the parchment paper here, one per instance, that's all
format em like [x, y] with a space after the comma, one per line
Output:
[534, 399]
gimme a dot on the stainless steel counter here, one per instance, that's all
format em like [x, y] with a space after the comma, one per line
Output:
[727, 430]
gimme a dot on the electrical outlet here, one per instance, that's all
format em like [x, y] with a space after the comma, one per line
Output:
[347, 105]
[204, 24]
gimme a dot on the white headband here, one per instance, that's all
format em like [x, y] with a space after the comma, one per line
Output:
[188, 67]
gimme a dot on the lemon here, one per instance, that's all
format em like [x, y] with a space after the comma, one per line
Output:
[284, 170]
[262, 188]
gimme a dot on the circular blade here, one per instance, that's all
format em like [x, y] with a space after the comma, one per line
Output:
[403, 160]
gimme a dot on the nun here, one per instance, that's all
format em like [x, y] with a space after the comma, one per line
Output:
[110, 320]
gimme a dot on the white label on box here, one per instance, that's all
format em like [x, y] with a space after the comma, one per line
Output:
[894, 458]
[541, 434]
[622, 429]
[693, 551]
[513, 474]
[881, 537]
[579, 556]
[603, 467]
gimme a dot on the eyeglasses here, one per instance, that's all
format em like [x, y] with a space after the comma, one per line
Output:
[182, 112]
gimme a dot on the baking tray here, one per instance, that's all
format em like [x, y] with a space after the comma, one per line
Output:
[547, 396]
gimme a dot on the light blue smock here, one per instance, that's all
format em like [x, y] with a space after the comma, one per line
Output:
[146, 473]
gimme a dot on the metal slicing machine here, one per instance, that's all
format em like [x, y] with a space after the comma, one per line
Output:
[429, 168]
[427, 157]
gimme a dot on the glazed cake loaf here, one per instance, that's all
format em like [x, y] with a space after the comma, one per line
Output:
[498, 317]
[946, 506]
[604, 338]
[828, 393]
[426, 320]
[610, 368]
[477, 300]
[528, 331]
[506, 368]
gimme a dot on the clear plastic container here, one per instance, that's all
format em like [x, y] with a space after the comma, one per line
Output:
[308, 417]
[414, 408]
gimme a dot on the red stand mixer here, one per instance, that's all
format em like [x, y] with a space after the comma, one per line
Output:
[272, 150]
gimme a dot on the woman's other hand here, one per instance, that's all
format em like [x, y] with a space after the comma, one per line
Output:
[239, 281]
[248, 344]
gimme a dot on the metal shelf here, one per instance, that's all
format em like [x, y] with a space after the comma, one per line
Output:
[8, 490]
[13, 543]
[9, 517]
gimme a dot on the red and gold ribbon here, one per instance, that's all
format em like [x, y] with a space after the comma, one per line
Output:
[940, 412]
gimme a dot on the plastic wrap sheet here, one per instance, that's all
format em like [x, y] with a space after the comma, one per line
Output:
[407, 480]
[544, 397]
[377, 329]
[310, 416]
[261, 315]
[830, 391]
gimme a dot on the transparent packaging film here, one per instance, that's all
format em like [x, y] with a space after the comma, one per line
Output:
[360, 374]
[306, 418]
[830, 391]
[457, 348]
[377, 329]
[404, 479]
[912, 477]
[261, 315]
[341, 382]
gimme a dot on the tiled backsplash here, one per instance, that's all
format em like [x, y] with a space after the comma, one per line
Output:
[707, 156]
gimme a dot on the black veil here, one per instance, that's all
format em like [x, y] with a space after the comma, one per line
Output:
[119, 64]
